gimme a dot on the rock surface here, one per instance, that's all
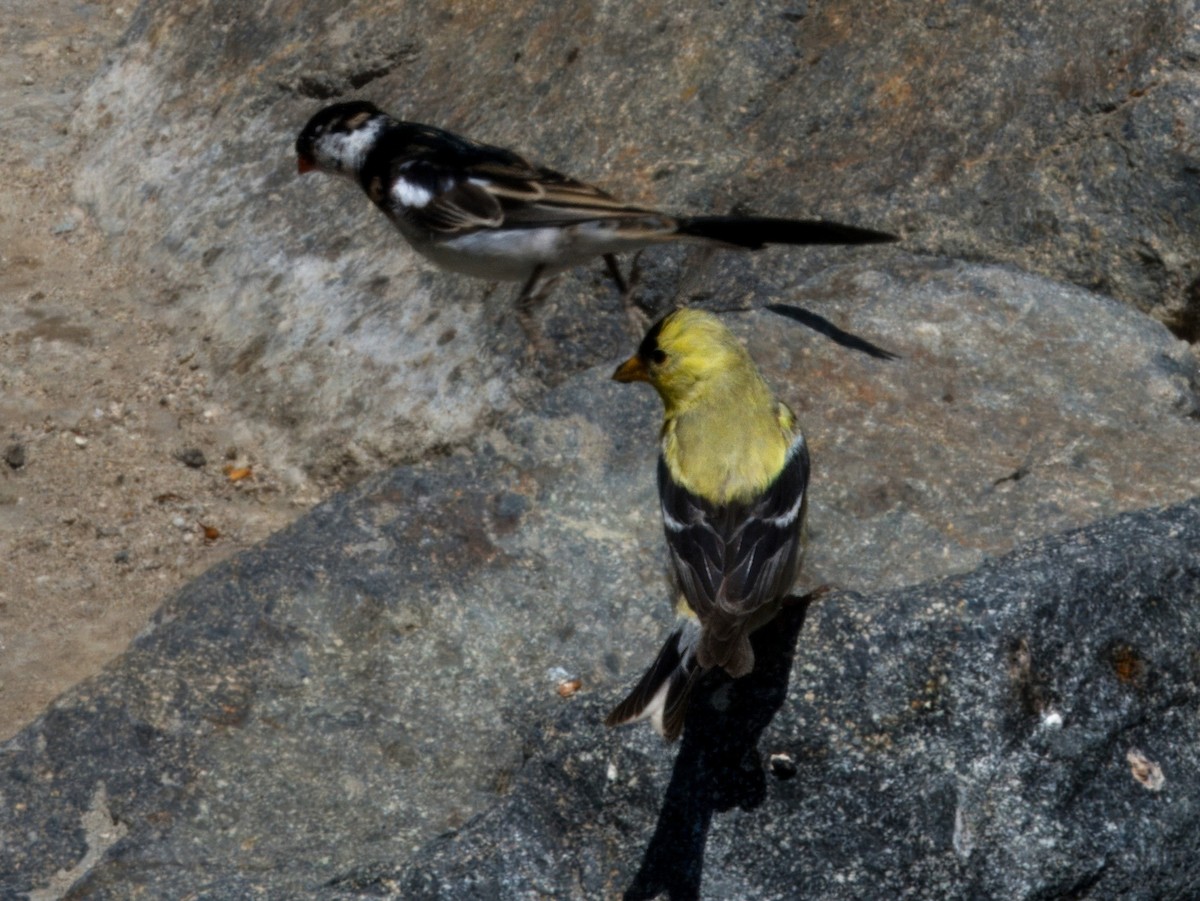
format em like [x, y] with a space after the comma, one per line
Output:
[304, 723]
[1055, 138]
[307, 719]
[324, 706]
[1027, 731]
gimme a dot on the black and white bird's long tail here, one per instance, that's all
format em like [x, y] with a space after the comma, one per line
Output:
[756, 232]
[661, 695]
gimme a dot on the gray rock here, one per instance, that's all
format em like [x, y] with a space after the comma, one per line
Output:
[1053, 139]
[306, 720]
[1030, 730]
[192, 457]
[329, 703]
[1017, 407]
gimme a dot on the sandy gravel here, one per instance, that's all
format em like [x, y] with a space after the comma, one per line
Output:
[121, 477]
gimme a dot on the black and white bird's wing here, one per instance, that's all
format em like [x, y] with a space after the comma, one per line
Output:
[429, 180]
[732, 559]
[436, 199]
[447, 184]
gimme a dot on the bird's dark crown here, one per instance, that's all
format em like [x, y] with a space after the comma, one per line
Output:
[347, 116]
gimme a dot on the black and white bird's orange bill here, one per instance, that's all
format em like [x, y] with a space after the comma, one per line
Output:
[484, 211]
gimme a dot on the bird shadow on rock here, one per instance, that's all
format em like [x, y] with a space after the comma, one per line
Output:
[719, 766]
[823, 326]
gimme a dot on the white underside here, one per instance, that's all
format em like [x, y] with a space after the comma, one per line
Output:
[512, 255]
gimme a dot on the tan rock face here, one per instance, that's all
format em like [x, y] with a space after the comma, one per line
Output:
[388, 668]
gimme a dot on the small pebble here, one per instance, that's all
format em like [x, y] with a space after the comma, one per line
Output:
[14, 456]
[80, 441]
[193, 457]
[122, 557]
[783, 767]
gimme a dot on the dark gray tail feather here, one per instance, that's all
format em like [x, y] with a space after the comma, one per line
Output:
[727, 648]
[756, 232]
[675, 666]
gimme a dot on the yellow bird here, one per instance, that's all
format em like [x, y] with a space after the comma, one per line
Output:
[732, 482]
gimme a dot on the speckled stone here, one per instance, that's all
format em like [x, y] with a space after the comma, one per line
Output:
[365, 705]
[1027, 731]
[1052, 138]
[304, 719]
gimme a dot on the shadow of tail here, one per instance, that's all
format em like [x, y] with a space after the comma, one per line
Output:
[719, 766]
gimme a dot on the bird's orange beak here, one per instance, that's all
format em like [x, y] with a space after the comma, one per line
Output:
[632, 370]
[305, 164]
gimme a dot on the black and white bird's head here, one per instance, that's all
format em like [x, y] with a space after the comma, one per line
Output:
[339, 137]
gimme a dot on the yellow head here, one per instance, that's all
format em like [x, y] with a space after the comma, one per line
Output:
[724, 436]
[683, 355]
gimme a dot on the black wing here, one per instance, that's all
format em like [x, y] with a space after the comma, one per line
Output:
[472, 186]
[732, 559]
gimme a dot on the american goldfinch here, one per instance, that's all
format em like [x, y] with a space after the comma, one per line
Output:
[732, 483]
[485, 211]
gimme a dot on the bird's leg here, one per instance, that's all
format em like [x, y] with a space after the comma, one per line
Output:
[615, 271]
[535, 290]
[635, 314]
[635, 270]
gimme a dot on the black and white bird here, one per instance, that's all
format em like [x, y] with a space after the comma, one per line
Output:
[484, 211]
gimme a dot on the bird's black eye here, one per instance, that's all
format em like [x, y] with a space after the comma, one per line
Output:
[658, 356]
[648, 350]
